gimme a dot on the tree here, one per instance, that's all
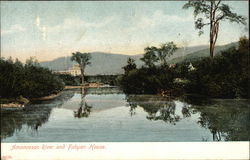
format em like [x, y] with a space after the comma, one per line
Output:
[166, 50]
[32, 61]
[154, 54]
[149, 58]
[130, 65]
[28, 80]
[83, 59]
[215, 12]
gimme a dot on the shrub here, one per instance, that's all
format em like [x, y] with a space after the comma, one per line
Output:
[29, 80]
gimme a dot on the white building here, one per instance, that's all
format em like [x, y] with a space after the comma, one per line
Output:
[75, 70]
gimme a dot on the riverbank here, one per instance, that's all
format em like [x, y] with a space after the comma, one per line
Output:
[90, 85]
[12, 105]
[20, 102]
[52, 96]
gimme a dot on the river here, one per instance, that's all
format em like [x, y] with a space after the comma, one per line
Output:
[108, 115]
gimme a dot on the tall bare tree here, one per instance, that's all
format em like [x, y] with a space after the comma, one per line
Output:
[214, 11]
[83, 59]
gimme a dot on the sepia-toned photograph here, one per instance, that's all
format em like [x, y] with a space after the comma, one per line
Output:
[123, 71]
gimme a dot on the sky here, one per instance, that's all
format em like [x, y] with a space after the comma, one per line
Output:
[50, 29]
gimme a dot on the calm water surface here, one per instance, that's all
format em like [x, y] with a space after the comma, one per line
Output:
[108, 115]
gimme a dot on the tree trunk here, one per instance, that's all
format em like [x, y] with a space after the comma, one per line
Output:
[82, 79]
[211, 47]
[211, 31]
[82, 76]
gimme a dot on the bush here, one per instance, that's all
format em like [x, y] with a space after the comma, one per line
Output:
[102, 79]
[147, 80]
[224, 76]
[29, 80]
[69, 79]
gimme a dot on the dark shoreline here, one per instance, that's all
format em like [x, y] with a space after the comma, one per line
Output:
[15, 104]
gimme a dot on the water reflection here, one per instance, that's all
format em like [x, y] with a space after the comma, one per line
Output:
[84, 109]
[34, 115]
[158, 108]
[203, 119]
[226, 119]
[186, 110]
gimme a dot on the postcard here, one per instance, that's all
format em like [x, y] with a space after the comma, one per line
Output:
[124, 80]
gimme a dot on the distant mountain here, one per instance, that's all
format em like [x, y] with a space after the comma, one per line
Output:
[110, 64]
[202, 53]
[101, 63]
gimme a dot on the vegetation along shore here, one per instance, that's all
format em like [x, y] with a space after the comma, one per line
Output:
[225, 75]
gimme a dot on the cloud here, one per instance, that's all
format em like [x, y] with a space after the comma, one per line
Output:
[158, 18]
[13, 29]
[77, 23]
[71, 25]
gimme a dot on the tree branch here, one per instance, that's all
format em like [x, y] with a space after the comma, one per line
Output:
[219, 18]
[217, 5]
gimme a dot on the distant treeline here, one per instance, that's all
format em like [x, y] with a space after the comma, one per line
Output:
[224, 76]
[105, 79]
[28, 80]
[101, 79]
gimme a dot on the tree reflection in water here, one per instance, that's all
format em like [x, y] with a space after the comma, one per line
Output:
[34, 115]
[226, 119]
[157, 109]
[84, 109]
[186, 110]
[166, 112]
[230, 122]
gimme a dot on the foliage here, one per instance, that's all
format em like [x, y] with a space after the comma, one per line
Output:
[151, 78]
[166, 50]
[153, 54]
[100, 79]
[28, 80]
[69, 79]
[130, 66]
[83, 59]
[224, 76]
[104, 79]
[147, 80]
[150, 57]
[214, 12]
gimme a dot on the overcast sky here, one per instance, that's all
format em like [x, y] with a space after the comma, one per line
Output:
[48, 30]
